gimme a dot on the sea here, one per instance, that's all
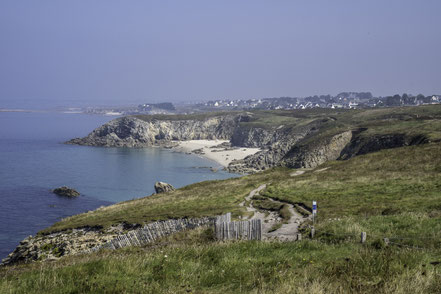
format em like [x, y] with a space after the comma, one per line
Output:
[34, 160]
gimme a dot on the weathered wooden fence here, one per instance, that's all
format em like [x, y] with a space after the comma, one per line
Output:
[248, 230]
[223, 218]
[156, 230]
[224, 228]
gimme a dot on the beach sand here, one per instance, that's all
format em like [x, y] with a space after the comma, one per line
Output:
[221, 154]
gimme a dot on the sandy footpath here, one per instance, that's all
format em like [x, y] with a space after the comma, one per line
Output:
[210, 149]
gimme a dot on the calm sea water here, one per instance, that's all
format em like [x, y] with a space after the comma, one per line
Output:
[33, 161]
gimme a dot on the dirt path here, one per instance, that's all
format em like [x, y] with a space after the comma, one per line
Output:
[287, 232]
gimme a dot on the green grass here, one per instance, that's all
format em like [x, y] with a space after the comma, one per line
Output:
[406, 179]
[201, 266]
[196, 200]
[267, 205]
[284, 212]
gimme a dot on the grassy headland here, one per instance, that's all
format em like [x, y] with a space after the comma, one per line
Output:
[393, 193]
[412, 120]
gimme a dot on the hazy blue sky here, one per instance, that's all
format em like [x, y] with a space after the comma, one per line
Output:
[129, 51]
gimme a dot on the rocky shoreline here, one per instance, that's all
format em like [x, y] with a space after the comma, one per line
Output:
[85, 240]
[294, 146]
[56, 245]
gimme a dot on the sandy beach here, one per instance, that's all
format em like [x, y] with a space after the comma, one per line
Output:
[216, 150]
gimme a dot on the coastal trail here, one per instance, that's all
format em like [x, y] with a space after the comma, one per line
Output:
[273, 226]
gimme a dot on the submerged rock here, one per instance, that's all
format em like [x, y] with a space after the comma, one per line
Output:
[161, 187]
[66, 192]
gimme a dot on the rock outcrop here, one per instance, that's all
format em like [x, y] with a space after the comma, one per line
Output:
[85, 240]
[134, 132]
[366, 144]
[66, 192]
[278, 143]
[316, 153]
[161, 187]
[56, 245]
[297, 145]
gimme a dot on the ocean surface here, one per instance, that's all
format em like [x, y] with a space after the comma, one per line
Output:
[33, 161]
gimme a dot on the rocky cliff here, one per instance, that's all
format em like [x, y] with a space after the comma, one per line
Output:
[134, 132]
[312, 155]
[277, 146]
[305, 144]
[366, 144]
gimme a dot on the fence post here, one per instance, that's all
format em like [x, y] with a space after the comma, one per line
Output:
[363, 237]
[260, 230]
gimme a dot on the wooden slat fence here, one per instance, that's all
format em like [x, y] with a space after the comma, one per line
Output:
[223, 218]
[247, 230]
[156, 230]
[224, 228]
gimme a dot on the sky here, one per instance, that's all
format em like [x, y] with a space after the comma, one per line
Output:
[121, 52]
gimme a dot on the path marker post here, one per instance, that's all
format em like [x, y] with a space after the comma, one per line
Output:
[314, 211]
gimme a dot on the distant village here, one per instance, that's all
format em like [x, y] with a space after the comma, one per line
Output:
[344, 100]
[348, 100]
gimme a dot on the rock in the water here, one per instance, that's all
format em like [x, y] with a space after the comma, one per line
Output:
[66, 191]
[161, 187]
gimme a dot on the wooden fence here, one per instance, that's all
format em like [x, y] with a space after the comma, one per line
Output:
[223, 218]
[248, 230]
[225, 229]
[156, 230]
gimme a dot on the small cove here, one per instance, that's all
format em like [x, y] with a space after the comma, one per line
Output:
[33, 161]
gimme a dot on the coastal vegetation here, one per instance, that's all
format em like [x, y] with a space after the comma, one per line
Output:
[194, 264]
[392, 194]
[388, 194]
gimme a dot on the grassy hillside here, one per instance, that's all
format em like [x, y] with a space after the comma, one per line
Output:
[200, 199]
[404, 179]
[344, 178]
[380, 119]
[394, 194]
[192, 263]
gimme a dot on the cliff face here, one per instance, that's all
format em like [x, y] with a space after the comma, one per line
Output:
[275, 146]
[296, 146]
[366, 144]
[134, 132]
[254, 137]
[312, 155]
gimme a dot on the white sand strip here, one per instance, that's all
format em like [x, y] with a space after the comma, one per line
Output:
[220, 155]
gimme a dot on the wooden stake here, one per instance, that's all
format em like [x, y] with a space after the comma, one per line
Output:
[363, 237]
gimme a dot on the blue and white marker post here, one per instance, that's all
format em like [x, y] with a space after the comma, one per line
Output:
[314, 211]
